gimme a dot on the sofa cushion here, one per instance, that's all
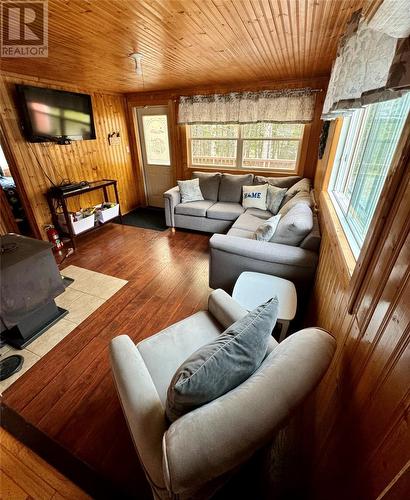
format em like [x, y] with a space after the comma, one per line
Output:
[294, 226]
[190, 190]
[247, 222]
[274, 198]
[282, 182]
[196, 208]
[302, 185]
[256, 212]
[301, 197]
[209, 184]
[222, 364]
[312, 240]
[267, 229]
[225, 211]
[254, 196]
[230, 188]
[241, 233]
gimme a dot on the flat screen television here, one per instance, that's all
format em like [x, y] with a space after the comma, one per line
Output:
[50, 115]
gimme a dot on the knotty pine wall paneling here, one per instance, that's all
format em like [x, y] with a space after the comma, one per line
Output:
[81, 160]
[357, 440]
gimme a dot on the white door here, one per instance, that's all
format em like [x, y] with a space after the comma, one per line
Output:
[153, 129]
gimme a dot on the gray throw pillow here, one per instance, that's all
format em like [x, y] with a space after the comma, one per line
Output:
[209, 184]
[283, 182]
[267, 229]
[230, 188]
[190, 191]
[294, 226]
[274, 198]
[301, 197]
[223, 364]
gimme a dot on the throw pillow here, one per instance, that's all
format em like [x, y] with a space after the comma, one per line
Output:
[209, 184]
[283, 182]
[223, 364]
[274, 198]
[267, 229]
[254, 196]
[190, 191]
[301, 197]
[294, 226]
[230, 188]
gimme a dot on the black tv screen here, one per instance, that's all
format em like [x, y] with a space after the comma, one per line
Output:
[55, 115]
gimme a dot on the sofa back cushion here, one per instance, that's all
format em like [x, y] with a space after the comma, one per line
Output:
[301, 197]
[302, 185]
[209, 183]
[230, 188]
[294, 226]
[312, 240]
[282, 182]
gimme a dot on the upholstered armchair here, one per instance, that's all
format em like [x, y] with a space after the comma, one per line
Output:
[192, 457]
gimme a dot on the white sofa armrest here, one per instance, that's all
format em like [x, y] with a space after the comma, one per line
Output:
[224, 308]
[172, 198]
[217, 437]
[141, 405]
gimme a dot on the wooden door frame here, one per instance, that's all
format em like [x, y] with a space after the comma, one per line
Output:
[135, 101]
[162, 108]
[12, 164]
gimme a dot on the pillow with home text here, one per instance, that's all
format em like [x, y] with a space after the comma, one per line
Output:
[254, 196]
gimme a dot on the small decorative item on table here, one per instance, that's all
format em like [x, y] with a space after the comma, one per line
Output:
[253, 289]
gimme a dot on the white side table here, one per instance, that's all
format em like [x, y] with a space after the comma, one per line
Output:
[253, 289]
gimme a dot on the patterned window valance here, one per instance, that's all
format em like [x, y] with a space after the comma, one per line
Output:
[288, 106]
[371, 66]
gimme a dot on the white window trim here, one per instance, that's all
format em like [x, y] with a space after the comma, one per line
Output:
[346, 156]
[239, 152]
[350, 236]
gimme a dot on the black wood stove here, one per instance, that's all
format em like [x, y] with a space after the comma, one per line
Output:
[30, 281]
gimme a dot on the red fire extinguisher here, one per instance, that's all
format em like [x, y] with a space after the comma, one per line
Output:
[54, 237]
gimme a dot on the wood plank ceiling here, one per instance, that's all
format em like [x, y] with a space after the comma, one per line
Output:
[187, 43]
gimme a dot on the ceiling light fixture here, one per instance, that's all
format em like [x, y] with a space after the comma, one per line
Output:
[138, 62]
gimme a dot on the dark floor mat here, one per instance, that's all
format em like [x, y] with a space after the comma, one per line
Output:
[146, 217]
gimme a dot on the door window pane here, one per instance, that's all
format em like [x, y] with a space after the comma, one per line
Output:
[156, 139]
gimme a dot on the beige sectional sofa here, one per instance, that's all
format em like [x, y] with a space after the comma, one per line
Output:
[292, 253]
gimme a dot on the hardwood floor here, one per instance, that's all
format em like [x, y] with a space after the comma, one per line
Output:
[66, 407]
[25, 475]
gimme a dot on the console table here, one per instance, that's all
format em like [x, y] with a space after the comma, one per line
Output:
[57, 200]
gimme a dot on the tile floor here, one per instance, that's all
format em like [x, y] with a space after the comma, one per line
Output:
[88, 292]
